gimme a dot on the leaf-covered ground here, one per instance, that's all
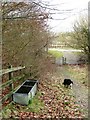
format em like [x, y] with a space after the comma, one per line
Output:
[52, 101]
[79, 75]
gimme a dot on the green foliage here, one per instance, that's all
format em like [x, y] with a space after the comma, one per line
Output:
[80, 35]
[64, 39]
[56, 54]
[78, 38]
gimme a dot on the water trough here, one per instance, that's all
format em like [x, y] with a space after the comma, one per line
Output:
[25, 92]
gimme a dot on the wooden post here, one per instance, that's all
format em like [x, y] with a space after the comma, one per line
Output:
[10, 77]
[65, 61]
[62, 60]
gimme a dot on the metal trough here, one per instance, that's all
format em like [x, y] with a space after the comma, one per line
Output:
[25, 92]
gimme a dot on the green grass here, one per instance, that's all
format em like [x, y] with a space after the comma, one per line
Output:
[55, 53]
[36, 105]
[79, 73]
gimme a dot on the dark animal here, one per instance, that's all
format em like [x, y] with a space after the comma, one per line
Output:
[68, 83]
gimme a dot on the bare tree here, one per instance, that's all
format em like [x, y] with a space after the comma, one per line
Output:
[25, 33]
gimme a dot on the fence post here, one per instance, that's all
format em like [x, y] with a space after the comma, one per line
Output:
[62, 60]
[11, 86]
[65, 61]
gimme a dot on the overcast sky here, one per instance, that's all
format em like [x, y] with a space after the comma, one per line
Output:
[69, 11]
[65, 15]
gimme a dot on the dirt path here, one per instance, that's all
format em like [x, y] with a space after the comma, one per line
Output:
[70, 54]
[71, 57]
[81, 94]
[79, 91]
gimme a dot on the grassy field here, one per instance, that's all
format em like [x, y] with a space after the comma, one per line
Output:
[55, 53]
[79, 72]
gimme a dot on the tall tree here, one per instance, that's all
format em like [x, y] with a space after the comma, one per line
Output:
[25, 33]
[80, 35]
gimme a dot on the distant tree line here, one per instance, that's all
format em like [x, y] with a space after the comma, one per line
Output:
[79, 37]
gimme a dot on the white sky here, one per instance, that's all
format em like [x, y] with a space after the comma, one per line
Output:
[78, 7]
